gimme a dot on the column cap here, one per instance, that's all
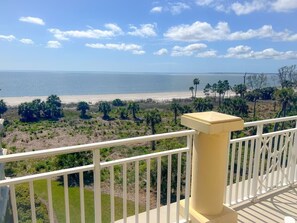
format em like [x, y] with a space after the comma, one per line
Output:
[212, 122]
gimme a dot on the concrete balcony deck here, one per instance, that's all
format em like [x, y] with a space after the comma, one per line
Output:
[271, 207]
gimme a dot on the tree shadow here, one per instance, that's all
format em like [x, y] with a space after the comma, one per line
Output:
[85, 117]
[108, 118]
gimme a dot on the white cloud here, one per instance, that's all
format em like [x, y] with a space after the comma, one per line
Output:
[157, 9]
[187, 50]
[247, 7]
[207, 54]
[33, 20]
[199, 31]
[145, 30]
[245, 52]
[161, 52]
[8, 38]
[111, 31]
[134, 48]
[177, 7]
[138, 52]
[53, 44]
[204, 2]
[284, 5]
[241, 49]
[250, 6]
[27, 41]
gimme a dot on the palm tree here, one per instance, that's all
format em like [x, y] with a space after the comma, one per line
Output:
[105, 108]
[53, 107]
[134, 108]
[285, 96]
[152, 118]
[207, 89]
[234, 106]
[220, 90]
[3, 107]
[175, 107]
[226, 87]
[240, 89]
[202, 104]
[214, 89]
[196, 82]
[192, 91]
[253, 96]
[123, 112]
[83, 107]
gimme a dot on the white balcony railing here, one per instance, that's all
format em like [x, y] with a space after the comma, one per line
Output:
[263, 161]
[126, 164]
[259, 162]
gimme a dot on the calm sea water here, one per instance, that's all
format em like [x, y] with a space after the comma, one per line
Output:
[41, 83]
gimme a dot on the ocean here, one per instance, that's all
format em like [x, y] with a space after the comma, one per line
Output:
[44, 83]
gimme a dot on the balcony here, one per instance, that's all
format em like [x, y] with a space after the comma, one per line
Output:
[221, 173]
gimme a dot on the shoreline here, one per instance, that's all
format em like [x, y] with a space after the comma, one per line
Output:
[92, 99]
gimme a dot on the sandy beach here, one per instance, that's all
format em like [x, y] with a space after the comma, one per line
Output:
[92, 99]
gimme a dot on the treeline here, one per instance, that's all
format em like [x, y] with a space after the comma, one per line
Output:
[37, 109]
[254, 88]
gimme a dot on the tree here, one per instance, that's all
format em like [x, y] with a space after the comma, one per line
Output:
[152, 118]
[226, 87]
[123, 112]
[83, 107]
[196, 82]
[53, 107]
[74, 160]
[186, 109]
[30, 111]
[202, 104]
[221, 90]
[267, 93]
[214, 89]
[3, 107]
[256, 81]
[287, 76]
[24, 206]
[192, 91]
[235, 106]
[207, 89]
[105, 108]
[118, 102]
[134, 108]
[175, 107]
[285, 96]
[37, 106]
[253, 96]
[240, 89]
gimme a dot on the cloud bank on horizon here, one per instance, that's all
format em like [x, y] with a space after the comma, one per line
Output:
[163, 33]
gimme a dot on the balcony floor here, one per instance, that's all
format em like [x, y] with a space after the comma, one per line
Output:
[270, 208]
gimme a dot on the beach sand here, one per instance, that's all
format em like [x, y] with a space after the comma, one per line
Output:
[92, 99]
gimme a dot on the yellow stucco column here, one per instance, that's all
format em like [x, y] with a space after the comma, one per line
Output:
[209, 164]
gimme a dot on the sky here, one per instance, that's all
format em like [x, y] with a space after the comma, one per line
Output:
[148, 36]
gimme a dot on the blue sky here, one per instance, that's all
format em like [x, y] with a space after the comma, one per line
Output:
[148, 36]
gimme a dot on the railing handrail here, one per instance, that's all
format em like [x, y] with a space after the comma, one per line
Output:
[87, 147]
[263, 135]
[268, 121]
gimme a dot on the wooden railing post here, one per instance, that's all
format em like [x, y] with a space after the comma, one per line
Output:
[209, 165]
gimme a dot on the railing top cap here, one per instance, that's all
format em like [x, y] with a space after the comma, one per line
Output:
[212, 117]
[212, 122]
